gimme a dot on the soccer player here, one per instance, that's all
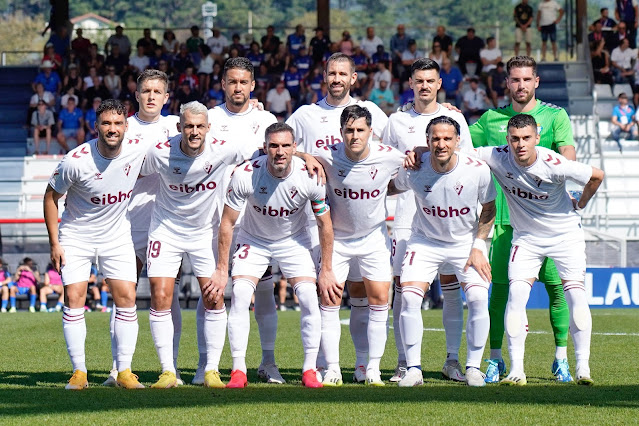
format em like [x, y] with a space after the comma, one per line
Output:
[357, 180]
[447, 189]
[555, 133]
[275, 189]
[148, 127]
[545, 224]
[191, 171]
[317, 126]
[406, 130]
[98, 177]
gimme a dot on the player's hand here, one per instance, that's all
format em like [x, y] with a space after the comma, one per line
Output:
[314, 168]
[256, 104]
[213, 290]
[329, 289]
[418, 152]
[450, 106]
[478, 260]
[409, 161]
[57, 257]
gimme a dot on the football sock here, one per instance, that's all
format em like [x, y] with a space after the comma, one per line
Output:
[104, 298]
[199, 323]
[358, 327]
[331, 333]
[397, 309]
[176, 316]
[497, 311]
[239, 321]
[452, 318]
[477, 324]
[75, 333]
[411, 324]
[310, 322]
[215, 323]
[126, 334]
[32, 299]
[377, 334]
[496, 354]
[266, 317]
[4, 304]
[517, 323]
[580, 320]
[114, 341]
[558, 312]
[12, 301]
[161, 323]
[561, 352]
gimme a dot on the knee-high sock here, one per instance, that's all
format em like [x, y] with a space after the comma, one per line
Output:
[266, 318]
[75, 334]
[411, 324]
[114, 341]
[580, 323]
[477, 323]
[239, 321]
[126, 333]
[310, 322]
[452, 318]
[358, 328]
[516, 322]
[162, 332]
[176, 315]
[559, 314]
[331, 333]
[201, 340]
[497, 311]
[377, 334]
[397, 309]
[215, 323]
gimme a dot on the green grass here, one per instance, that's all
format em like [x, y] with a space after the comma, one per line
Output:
[34, 368]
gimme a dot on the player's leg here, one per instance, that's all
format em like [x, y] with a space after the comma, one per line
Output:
[44, 292]
[176, 317]
[266, 318]
[59, 289]
[33, 296]
[358, 324]
[528, 39]
[48, 139]
[453, 322]
[553, 41]
[5, 297]
[12, 297]
[398, 248]
[282, 286]
[544, 39]
[36, 140]
[518, 37]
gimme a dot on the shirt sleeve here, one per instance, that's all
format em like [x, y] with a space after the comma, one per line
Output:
[317, 197]
[401, 180]
[388, 135]
[577, 172]
[150, 163]
[562, 130]
[238, 191]
[478, 132]
[487, 192]
[395, 161]
[63, 176]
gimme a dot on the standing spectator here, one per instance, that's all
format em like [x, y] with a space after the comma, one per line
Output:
[496, 83]
[627, 11]
[549, 15]
[49, 79]
[607, 23]
[523, 15]
[278, 101]
[270, 42]
[113, 83]
[444, 40]
[26, 281]
[121, 40]
[218, 44]
[193, 44]
[319, 45]
[89, 119]
[601, 63]
[370, 42]
[5, 280]
[81, 46]
[61, 41]
[296, 40]
[345, 45]
[128, 93]
[383, 97]
[117, 60]
[452, 81]
[623, 120]
[42, 121]
[52, 285]
[147, 43]
[468, 48]
[398, 44]
[139, 62]
[437, 54]
[70, 125]
[475, 100]
[621, 58]
[490, 56]
[170, 45]
[206, 67]
[50, 55]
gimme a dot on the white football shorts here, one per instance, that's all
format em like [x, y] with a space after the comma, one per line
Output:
[398, 249]
[140, 244]
[115, 260]
[368, 255]
[164, 255]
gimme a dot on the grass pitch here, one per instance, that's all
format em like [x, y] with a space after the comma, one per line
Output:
[34, 368]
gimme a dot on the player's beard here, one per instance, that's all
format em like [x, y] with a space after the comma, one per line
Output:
[237, 104]
[339, 96]
[524, 99]
[108, 146]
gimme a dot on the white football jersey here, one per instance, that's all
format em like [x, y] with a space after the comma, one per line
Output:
[317, 126]
[98, 191]
[357, 190]
[541, 211]
[185, 201]
[275, 208]
[405, 131]
[447, 203]
[149, 134]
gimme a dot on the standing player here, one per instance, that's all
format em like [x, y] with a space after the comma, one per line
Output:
[405, 131]
[357, 179]
[545, 224]
[277, 189]
[98, 177]
[555, 133]
[447, 189]
[190, 172]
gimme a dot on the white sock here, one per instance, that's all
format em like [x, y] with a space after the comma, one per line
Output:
[75, 333]
[377, 334]
[176, 315]
[580, 323]
[561, 352]
[477, 324]
[411, 324]
[201, 339]
[266, 318]
[310, 322]
[358, 328]
[162, 332]
[331, 333]
[516, 322]
[215, 323]
[239, 321]
[397, 309]
[452, 318]
[114, 341]
[495, 353]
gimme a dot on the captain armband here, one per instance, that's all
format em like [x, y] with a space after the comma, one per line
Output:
[319, 207]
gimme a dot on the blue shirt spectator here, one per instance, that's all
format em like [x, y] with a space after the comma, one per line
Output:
[303, 61]
[296, 40]
[70, 119]
[293, 80]
[380, 55]
[451, 78]
[49, 79]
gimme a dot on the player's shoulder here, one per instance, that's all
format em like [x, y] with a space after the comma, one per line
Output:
[247, 168]
[371, 106]
[549, 107]
[82, 152]
[471, 162]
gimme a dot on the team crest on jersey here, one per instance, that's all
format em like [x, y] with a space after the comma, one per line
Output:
[255, 127]
[224, 128]
[341, 172]
[293, 192]
[373, 172]
[263, 190]
[411, 129]
[176, 171]
[428, 188]
[324, 119]
[127, 169]
[208, 167]
[458, 188]
[509, 175]
[538, 181]
[502, 128]
[98, 176]
[539, 129]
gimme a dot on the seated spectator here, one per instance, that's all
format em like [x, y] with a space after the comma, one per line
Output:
[277, 62]
[623, 121]
[89, 119]
[182, 60]
[70, 125]
[73, 79]
[437, 54]
[601, 63]
[42, 95]
[26, 281]
[97, 90]
[157, 56]
[216, 93]
[113, 83]
[270, 42]
[407, 94]
[90, 77]
[497, 83]
[303, 61]
[383, 73]
[383, 97]
[475, 100]
[255, 56]
[170, 45]
[49, 79]
[70, 93]
[147, 42]
[193, 45]
[81, 46]
[95, 60]
[237, 44]
[42, 122]
[216, 75]
[294, 82]
[379, 56]
[5, 281]
[370, 42]
[346, 45]
[130, 108]
[361, 61]
[128, 93]
[206, 67]
[490, 56]
[622, 57]
[140, 61]
[61, 41]
[452, 81]
[50, 55]
[314, 83]
[218, 44]
[296, 40]
[262, 83]
[117, 60]
[184, 95]
[189, 77]
[408, 57]
[52, 285]
[278, 101]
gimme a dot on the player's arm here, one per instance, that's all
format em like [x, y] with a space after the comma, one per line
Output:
[328, 286]
[589, 189]
[477, 258]
[51, 198]
[393, 189]
[562, 132]
[313, 167]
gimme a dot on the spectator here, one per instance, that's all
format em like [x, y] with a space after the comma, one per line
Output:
[52, 285]
[409, 56]
[345, 45]
[383, 97]
[147, 42]
[184, 95]
[444, 40]
[97, 90]
[237, 44]
[398, 44]
[61, 41]
[255, 56]
[117, 60]
[615, 38]
[314, 84]
[379, 56]
[158, 55]
[193, 45]
[270, 42]
[182, 60]
[130, 108]
[621, 58]
[627, 12]
[89, 119]
[70, 125]
[41, 95]
[5, 281]
[96, 60]
[170, 45]
[361, 61]
[73, 79]
[216, 75]
[278, 101]
[382, 74]
[121, 40]
[70, 93]
[490, 56]
[597, 33]
[319, 45]
[303, 62]
[475, 100]
[496, 82]
[277, 63]
[294, 81]
[370, 42]
[113, 83]
[218, 44]
[549, 15]
[601, 63]
[26, 281]
[468, 48]
[263, 82]
[42, 121]
[128, 93]
[49, 79]
[407, 94]
[81, 46]
[189, 77]
[607, 23]
[90, 78]
[296, 40]
[54, 58]
[140, 61]
[206, 67]
[452, 81]
[623, 120]
[523, 15]
[216, 93]
[437, 54]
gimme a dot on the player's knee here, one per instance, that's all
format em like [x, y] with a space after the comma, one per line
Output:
[477, 294]
[581, 318]
[412, 298]
[513, 323]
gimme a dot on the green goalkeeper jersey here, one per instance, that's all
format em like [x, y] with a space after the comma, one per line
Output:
[553, 127]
